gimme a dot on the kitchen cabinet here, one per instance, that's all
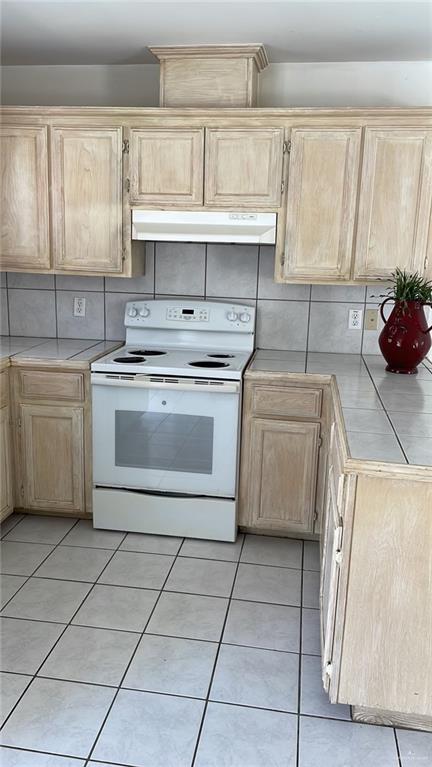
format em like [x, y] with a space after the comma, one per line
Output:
[321, 204]
[25, 242]
[243, 167]
[6, 478]
[167, 167]
[53, 457]
[395, 202]
[52, 440]
[279, 456]
[87, 199]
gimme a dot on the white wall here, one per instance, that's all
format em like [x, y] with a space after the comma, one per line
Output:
[379, 83]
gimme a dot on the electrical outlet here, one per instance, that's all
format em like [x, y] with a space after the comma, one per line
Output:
[79, 307]
[371, 319]
[355, 317]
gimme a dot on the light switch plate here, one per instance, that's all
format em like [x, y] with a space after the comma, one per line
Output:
[371, 319]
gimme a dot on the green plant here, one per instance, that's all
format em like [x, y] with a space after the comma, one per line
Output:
[409, 287]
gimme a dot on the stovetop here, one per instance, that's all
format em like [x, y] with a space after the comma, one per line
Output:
[194, 363]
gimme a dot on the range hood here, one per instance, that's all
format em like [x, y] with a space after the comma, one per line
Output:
[204, 226]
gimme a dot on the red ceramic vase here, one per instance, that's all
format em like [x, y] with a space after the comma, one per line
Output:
[405, 338]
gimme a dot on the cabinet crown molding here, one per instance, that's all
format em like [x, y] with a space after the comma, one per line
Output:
[254, 51]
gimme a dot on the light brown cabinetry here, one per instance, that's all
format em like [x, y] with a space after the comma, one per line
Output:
[395, 202]
[321, 203]
[243, 167]
[52, 440]
[53, 457]
[87, 199]
[167, 167]
[279, 457]
[6, 479]
[24, 208]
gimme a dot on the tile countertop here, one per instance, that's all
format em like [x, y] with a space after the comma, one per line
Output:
[388, 417]
[54, 350]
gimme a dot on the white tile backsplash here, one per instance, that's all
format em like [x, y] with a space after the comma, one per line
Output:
[290, 317]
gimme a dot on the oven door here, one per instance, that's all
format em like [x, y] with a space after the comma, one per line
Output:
[166, 436]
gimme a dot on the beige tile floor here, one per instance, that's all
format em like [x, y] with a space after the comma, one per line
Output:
[147, 651]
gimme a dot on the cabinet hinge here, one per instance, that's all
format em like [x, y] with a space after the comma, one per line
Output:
[19, 423]
[283, 187]
[282, 260]
[329, 669]
[315, 515]
[125, 146]
[319, 441]
[426, 262]
[127, 184]
[338, 557]
[22, 490]
[287, 147]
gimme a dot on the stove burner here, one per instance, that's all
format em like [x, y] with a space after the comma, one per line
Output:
[147, 352]
[208, 364]
[129, 360]
[221, 356]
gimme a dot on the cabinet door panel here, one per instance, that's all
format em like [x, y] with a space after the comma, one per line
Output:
[24, 198]
[53, 457]
[87, 199]
[321, 204]
[167, 167]
[395, 202]
[329, 576]
[284, 457]
[6, 498]
[243, 167]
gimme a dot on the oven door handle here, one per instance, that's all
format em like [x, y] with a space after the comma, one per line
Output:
[184, 384]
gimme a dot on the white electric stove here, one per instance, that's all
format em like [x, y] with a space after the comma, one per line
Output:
[166, 413]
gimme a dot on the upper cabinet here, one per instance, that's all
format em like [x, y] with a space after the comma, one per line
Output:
[395, 202]
[244, 167]
[167, 167]
[321, 204]
[87, 199]
[24, 198]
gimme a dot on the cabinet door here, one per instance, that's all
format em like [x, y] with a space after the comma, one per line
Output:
[321, 204]
[87, 199]
[244, 167]
[395, 202]
[283, 474]
[329, 577]
[167, 167]
[6, 498]
[24, 198]
[52, 449]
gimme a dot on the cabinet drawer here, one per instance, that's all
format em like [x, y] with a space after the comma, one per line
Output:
[50, 385]
[4, 388]
[287, 401]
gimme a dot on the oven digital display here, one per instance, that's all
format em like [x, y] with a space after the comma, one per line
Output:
[188, 311]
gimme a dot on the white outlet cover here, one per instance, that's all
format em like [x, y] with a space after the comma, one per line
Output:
[79, 306]
[355, 319]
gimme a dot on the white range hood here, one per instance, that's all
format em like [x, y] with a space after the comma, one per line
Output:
[204, 226]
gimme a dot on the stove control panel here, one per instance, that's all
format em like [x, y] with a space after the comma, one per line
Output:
[188, 314]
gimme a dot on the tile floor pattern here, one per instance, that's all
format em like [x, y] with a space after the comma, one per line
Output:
[147, 651]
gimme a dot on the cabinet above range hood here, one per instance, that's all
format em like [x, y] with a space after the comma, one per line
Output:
[204, 226]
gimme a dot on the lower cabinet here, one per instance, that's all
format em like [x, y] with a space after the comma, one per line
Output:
[279, 458]
[6, 493]
[53, 457]
[52, 440]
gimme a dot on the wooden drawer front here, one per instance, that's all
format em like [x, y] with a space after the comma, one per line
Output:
[4, 388]
[51, 385]
[287, 401]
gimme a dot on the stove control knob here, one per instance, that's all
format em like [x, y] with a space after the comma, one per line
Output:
[245, 317]
[232, 316]
[144, 312]
[132, 312]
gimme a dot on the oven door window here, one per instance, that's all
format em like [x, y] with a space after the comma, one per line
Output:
[164, 441]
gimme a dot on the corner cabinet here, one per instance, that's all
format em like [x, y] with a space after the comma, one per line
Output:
[25, 239]
[281, 454]
[395, 202]
[87, 199]
[321, 204]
